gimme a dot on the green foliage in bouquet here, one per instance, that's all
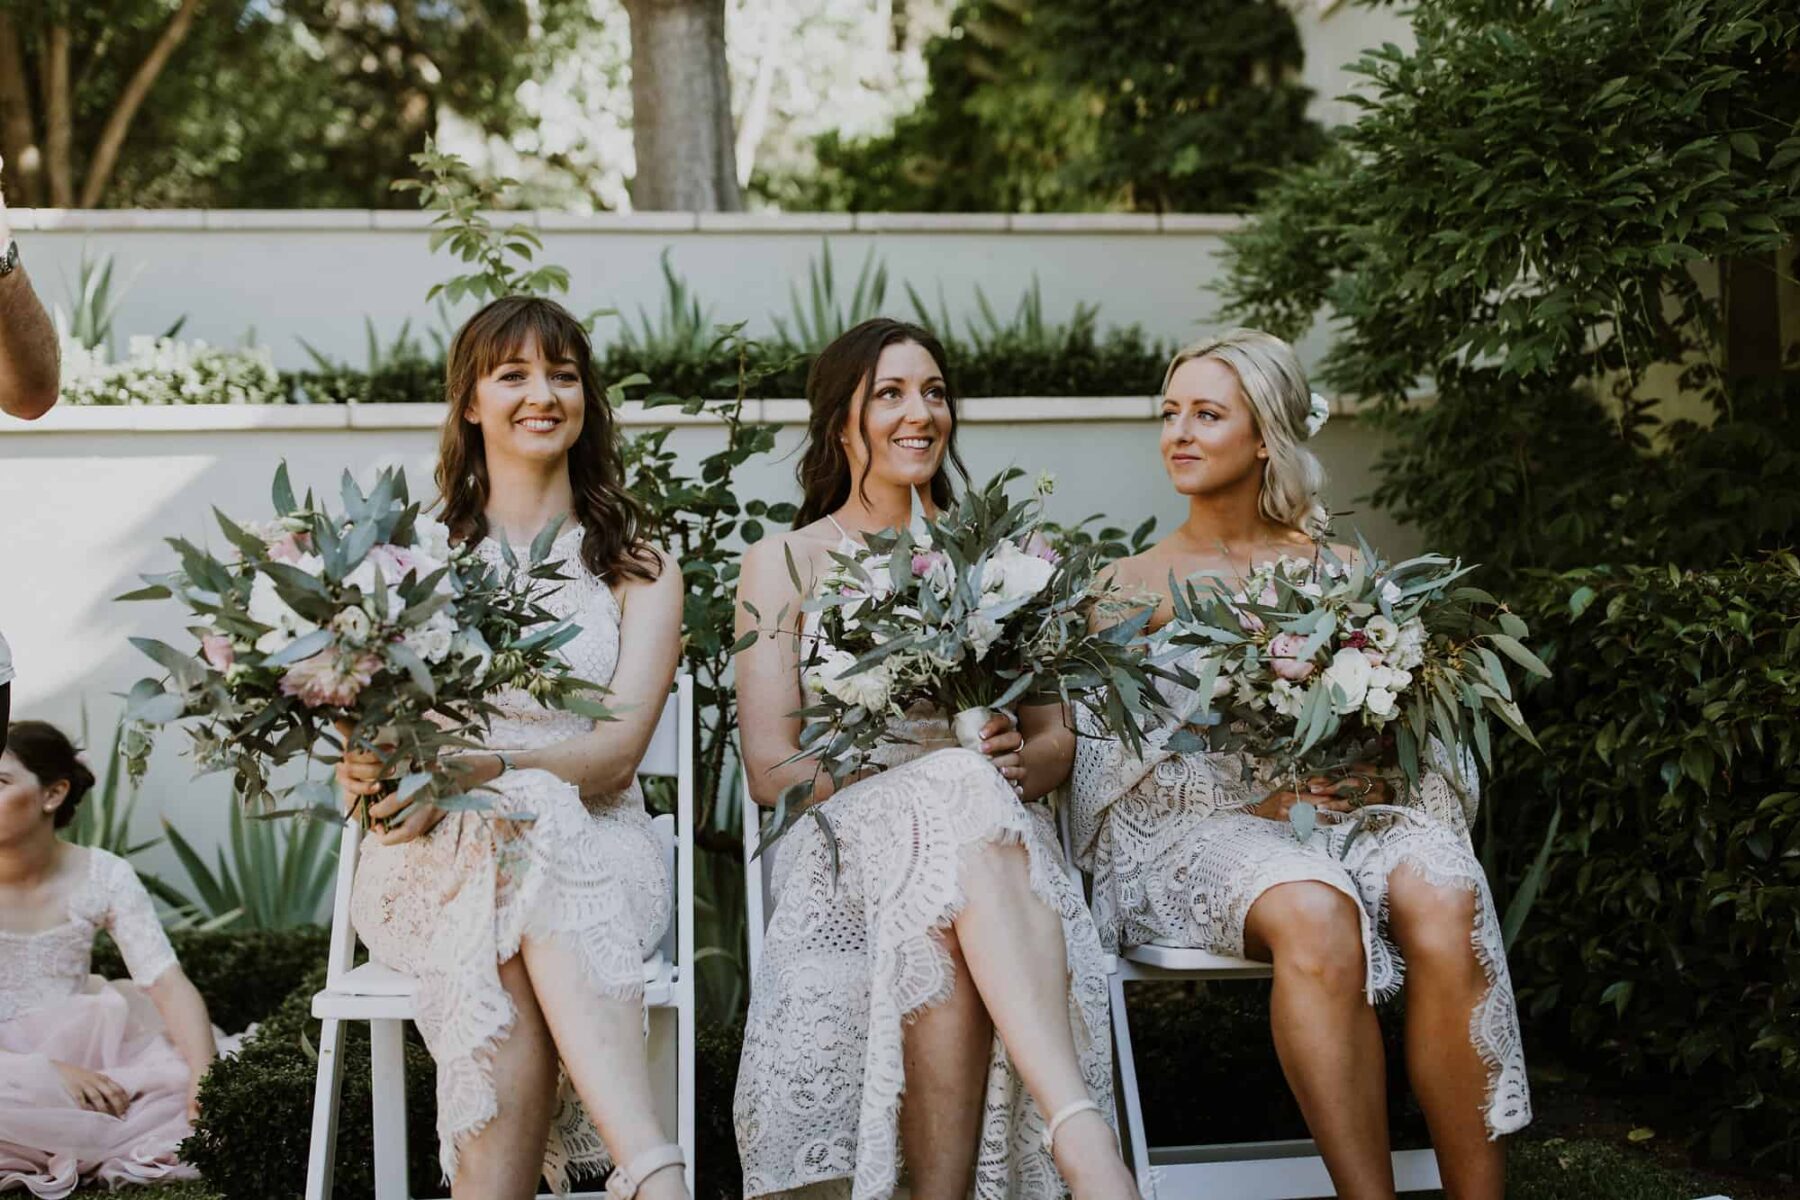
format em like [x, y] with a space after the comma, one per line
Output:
[369, 618]
[971, 612]
[1307, 662]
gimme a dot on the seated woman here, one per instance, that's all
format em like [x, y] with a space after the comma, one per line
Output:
[97, 1080]
[1183, 853]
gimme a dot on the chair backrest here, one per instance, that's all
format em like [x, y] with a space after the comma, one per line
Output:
[759, 879]
[671, 753]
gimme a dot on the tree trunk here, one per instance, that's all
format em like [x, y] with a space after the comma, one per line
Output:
[18, 143]
[681, 107]
[112, 137]
[59, 124]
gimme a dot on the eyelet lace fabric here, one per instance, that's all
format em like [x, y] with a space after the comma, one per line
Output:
[450, 907]
[1176, 860]
[847, 960]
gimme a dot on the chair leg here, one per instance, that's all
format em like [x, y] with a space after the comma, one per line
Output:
[684, 1080]
[1126, 1062]
[321, 1154]
[387, 1070]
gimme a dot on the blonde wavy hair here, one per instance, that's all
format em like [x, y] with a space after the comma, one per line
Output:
[1272, 380]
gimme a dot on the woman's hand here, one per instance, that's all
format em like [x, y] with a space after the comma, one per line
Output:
[1001, 742]
[1276, 805]
[1363, 785]
[92, 1090]
[359, 773]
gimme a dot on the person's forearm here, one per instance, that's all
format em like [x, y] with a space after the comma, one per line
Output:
[1046, 756]
[185, 1018]
[30, 368]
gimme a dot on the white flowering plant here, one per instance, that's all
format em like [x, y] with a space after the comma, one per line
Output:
[971, 613]
[369, 620]
[1307, 666]
[163, 371]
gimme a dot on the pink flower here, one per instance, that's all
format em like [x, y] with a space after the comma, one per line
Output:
[1375, 657]
[393, 561]
[290, 549]
[1356, 639]
[1038, 546]
[330, 678]
[216, 649]
[923, 561]
[1284, 650]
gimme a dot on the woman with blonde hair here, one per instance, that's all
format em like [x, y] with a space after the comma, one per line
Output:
[1184, 853]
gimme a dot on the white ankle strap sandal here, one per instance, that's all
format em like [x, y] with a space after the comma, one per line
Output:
[1072, 1109]
[625, 1180]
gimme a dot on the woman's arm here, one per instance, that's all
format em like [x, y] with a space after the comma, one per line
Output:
[602, 762]
[1049, 749]
[184, 1016]
[768, 674]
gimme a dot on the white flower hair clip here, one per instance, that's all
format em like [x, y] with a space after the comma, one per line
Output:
[1317, 413]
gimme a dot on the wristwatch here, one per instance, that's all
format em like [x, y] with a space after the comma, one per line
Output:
[9, 258]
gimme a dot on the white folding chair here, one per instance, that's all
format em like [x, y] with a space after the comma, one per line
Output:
[384, 997]
[1270, 1170]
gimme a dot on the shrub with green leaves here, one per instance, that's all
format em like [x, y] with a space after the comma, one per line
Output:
[243, 975]
[1667, 944]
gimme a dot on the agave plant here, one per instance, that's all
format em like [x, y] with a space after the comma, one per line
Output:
[278, 875]
[94, 305]
[820, 318]
[681, 335]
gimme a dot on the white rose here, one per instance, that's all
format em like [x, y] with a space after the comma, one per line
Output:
[353, 625]
[1382, 631]
[1409, 646]
[1391, 679]
[268, 608]
[432, 540]
[1379, 703]
[1014, 574]
[1348, 675]
[868, 688]
[432, 641]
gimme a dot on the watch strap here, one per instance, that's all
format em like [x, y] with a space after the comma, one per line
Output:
[9, 257]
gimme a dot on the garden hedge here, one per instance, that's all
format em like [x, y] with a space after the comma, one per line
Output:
[243, 975]
[1665, 944]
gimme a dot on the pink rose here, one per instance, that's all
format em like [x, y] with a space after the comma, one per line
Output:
[216, 649]
[329, 678]
[1284, 650]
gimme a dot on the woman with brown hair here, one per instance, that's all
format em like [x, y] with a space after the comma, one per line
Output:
[527, 926]
[944, 954]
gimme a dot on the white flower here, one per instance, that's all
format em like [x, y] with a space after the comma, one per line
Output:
[1391, 679]
[1379, 703]
[983, 632]
[268, 608]
[1390, 593]
[1318, 412]
[353, 625]
[1409, 646]
[1382, 631]
[1348, 676]
[1293, 568]
[1046, 483]
[1245, 695]
[432, 641]
[432, 540]
[1014, 574]
[469, 644]
[869, 688]
[1288, 698]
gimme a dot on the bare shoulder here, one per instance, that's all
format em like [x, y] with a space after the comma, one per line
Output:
[667, 577]
[765, 563]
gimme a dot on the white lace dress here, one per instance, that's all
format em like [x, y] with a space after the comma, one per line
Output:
[1177, 861]
[450, 907]
[847, 960]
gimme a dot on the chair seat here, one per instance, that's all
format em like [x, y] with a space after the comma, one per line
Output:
[1203, 962]
[373, 992]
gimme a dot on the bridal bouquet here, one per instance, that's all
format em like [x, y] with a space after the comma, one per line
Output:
[1310, 665]
[972, 613]
[368, 619]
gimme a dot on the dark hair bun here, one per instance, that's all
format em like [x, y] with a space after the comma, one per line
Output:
[49, 754]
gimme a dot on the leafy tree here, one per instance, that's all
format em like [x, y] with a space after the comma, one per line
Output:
[1072, 104]
[1522, 222]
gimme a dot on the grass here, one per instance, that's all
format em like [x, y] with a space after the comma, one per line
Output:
[1553, 1169]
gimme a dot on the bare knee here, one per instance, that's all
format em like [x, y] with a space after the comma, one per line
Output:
[1433, 924]
[1313, 932]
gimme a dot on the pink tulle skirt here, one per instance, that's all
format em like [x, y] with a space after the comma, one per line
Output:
[48, 1143]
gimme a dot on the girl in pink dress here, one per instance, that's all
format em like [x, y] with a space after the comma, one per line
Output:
[97, 1080]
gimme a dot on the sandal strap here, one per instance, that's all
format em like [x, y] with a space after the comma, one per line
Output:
[624, 1182]
[1071, 1109]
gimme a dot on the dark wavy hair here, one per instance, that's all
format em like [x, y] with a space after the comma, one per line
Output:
[615, 523]
[842, 371]
[48, 753]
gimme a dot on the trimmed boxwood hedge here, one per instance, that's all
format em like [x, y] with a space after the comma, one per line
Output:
[1665, 944]
[243, 975]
